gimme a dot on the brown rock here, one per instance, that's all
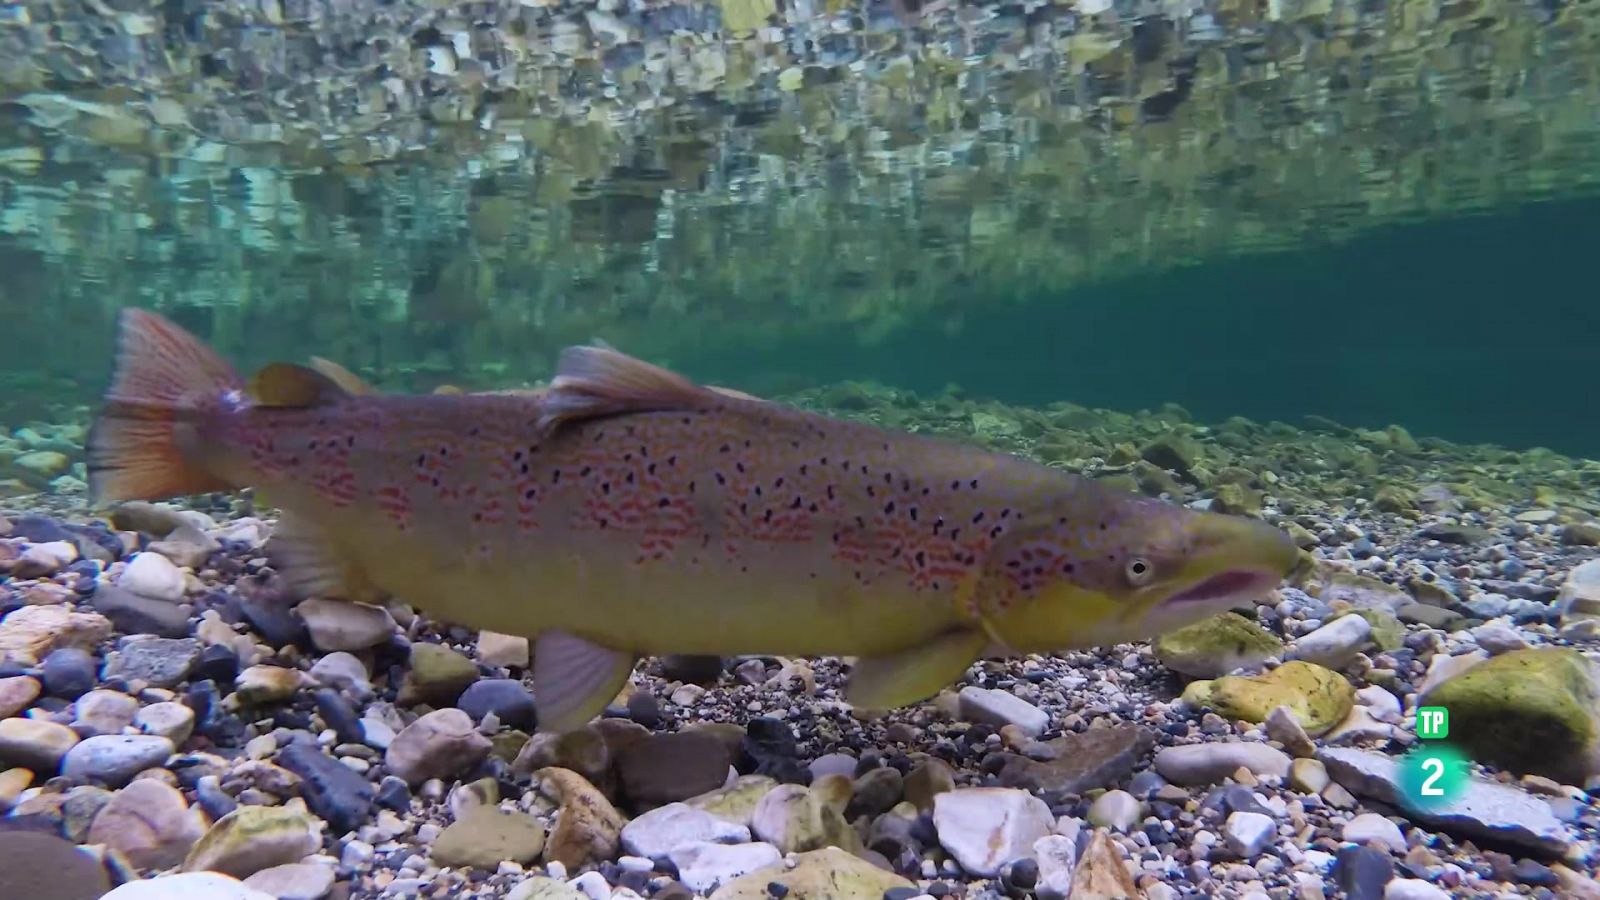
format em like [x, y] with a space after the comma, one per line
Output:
[149, 823]
[1084, 761]
[672, 767]
[584, 751]
[588, 828]
[41, 866]
[441, 744]
[1101, 875]
[35, 744]
[30, 633]
[929, 779]
[484, 837]
[16, 694]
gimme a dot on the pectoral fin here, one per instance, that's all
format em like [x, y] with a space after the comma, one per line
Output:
[914, 674]
[311, 564]
[574, 679]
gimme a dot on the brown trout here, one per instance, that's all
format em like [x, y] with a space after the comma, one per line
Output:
[625, 511]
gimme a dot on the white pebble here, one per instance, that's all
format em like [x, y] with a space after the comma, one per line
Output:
[1371, 828]
[1249, 833]
[1412, 889]
[592, 884]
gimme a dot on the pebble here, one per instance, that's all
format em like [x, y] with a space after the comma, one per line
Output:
[252, 838]
[1001, 708]
[149, 823]
[484, 837]
[441, 744]
[265, 685]
[506, 698]
[333, 791]
[294, 881]
[68, 673]
[984, 828]
[343, 671]
[1334, 644]
[703, 866]
[341, 625]
[114, 759]
[1413, 889]
[135, 614]
[1361, 872]
[17, 693]
[1249, 833]
[657, 833]
[173, 721]
[188, 886]
[153, 576]
[1374, 830]
[1116, 810]
[35, 744]
[1200, 764]
[156, 662]
[39, 866]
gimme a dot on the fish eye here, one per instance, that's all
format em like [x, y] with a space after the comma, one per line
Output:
[1139, 570]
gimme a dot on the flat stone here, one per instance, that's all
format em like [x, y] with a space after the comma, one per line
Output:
[155, 661]
[485, 837]
[1413, 889]
[188, 886]
[796, 819]
[295, 881]
[1116, 810]
[69, 673]
[437, 675]
[503, 650]
[1317, 696]
[35, 744]
[1216, 646]
[113, 760]
[341, 625]
[260, 685]
[824, 874]
[335, 792]
[670, 767]
[134, 614]
[1001, 708]
[704, 866]
[343, 671]
[1199, 764]
[1487, 811]
[738, 801]
[28, 634]
[510, 702]
[252, 838]
[657, 833]
[985, 828]
[1083, 761]
[1100, 873]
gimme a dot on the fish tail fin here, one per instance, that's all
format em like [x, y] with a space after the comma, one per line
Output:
[162, 380]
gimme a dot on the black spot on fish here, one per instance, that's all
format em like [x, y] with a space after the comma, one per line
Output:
[795, 504]
[584, 472]
[977, 518]
[691, 487]
[663, 503]
[605, 523]
[779, 482]
[672, 460]
[725, 448]
[721, 479]
[803, 469]
[973, 484]
[995, 532]
[629, 478]
[888, 508]
[650, 469]
[529, 494]
[1005, 513]
[813, 507]
[739, 466]
[767, 516]
[922, 558]
[605, 487]
[913, 513]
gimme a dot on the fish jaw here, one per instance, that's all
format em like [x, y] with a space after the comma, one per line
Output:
[1233, 562]
[1226, 562]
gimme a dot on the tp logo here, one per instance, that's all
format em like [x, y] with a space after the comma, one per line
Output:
[1432, 776]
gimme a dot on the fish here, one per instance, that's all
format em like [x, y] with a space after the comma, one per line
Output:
[624, 511]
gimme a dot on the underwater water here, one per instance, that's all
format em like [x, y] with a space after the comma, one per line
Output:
[1317, 274]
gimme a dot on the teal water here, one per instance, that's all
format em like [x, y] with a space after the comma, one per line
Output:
[1481, 329]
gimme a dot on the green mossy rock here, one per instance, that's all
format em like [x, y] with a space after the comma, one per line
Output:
[438, 675]
[1320, 698]
[1216, 646]
[1533, 711]
[1236, 500]
[1394, 499]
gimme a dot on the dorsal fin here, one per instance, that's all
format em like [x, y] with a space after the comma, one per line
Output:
[291, 386]
[599, 381]
[347, 380]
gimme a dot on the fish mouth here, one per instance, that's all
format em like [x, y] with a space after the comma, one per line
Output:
[1234, 583]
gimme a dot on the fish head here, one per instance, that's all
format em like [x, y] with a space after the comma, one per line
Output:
[1106, 567]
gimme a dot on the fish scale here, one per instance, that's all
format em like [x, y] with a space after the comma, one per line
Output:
[626, 512]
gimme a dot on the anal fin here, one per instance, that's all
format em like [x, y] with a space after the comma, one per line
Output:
[574, 679]
[311, 564]
[914, 674]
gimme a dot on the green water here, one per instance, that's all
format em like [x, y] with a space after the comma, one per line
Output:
[1377, 212]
